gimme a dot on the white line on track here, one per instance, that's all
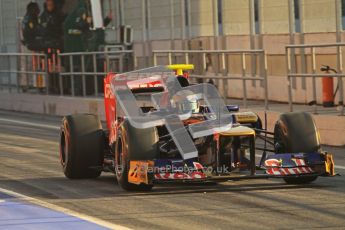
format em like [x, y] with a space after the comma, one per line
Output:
[44, 204]
[30, 124]
[339, 167]
[58, 128]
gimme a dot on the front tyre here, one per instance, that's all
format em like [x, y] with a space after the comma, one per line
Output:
[300, 180]
[133, 144]
[296, 133]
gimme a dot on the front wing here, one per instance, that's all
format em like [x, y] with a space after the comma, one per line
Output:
[275, 166]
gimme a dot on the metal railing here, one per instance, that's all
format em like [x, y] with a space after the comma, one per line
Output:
[224, 57]
[62, 73]
[293, 74]
[93, 64]
[28, 69]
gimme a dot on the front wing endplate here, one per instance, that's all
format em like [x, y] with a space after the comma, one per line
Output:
[139, 172]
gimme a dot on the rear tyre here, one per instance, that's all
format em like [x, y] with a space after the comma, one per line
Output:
[133, 144]
[81, 146]
[296, 133]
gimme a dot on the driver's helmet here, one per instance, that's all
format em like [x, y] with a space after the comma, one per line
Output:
[186, 102]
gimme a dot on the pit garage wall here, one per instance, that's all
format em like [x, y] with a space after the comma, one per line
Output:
[277, 73]
[160, 32]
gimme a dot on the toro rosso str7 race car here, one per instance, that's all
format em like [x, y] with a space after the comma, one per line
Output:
[161, 128]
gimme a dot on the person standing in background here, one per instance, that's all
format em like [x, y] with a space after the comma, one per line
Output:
[78, 33]
[31, 28]
[52, 23]
[81, 37]
[76, 25]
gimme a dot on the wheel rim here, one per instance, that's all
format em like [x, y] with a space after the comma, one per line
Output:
[63, 149]
[119, 157]
[64, 145]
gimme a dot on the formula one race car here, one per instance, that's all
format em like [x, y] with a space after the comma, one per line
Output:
[161, 128]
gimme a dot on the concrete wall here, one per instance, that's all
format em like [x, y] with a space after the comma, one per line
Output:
[202, 23]
[133, 16]
[318, 23]
[275, 17]
[318, 16]
[8, 25]
[160, 19]
[236, 16]
[51, 105]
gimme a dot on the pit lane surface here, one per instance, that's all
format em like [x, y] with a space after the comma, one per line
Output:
[29, 165]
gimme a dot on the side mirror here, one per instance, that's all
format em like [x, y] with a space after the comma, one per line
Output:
[233, 108]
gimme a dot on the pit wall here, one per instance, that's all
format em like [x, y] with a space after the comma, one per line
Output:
[331, 127]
